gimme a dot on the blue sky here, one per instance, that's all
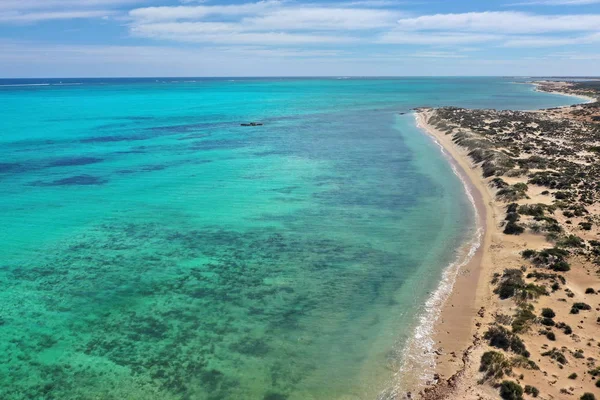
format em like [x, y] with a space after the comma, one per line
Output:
[79, 38]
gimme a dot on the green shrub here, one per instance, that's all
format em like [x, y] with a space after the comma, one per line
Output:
[598, 383]
[522, 187]
[572, 241]
[586, 226]
[524, 362]
[590, 291]
[588, 396]
[512, 217]
[594, 372]
[512, 228]
[534, 210]
[560, 266]
[523, 319]
[510, 390]
[580, 306]
[573, 376]
[548, 313]
[547, 322]
[551, 336]
[510, 283]
[495, 365]
[502, 338]
[532, 390]
[527, 254]
[512, 208]
[555, 354]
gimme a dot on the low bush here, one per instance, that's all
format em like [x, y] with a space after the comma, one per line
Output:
[594, 372]
[560, 266]
[547, 322]
[565, 328]
[512, 228]
[548, 313]
[579, 307]
[502, 338]
[495, 365]
[510, 283]
[523, 318]
[555, 354]
[524, 362]
[532, 391]
[573, 376]
[527, 254]
[571, 241]
[588, 396]
[510, 390]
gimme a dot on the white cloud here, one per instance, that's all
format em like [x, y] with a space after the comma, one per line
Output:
[508, 22]
[508, 29]
[555, 3]
[13, 17]
[441, 38]
[30, 11]
[267, 22]
[166, 13]
[545, 41]
[321, 18]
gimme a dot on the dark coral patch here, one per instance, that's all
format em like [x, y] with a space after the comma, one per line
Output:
[110, 139]
[75, 161]
[78, 180]
[9, 167]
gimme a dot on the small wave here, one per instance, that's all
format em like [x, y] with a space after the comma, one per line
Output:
[419, 352]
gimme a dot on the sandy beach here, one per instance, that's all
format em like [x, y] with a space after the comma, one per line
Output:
[473, 307]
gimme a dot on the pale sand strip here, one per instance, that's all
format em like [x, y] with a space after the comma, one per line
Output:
[455, 329]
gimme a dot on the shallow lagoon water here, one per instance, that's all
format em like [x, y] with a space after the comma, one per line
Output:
[152, 248]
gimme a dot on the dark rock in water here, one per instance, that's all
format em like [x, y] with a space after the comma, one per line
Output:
[252, 124]
[401, 113]
[75, 161]
[79, 180]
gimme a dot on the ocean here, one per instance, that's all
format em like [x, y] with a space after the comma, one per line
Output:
[153, 248]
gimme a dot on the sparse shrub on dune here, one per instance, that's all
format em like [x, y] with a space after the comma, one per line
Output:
[502, 338]
[548, 313]
[555, 354]
[510, 390]
[495, 365]
[532, 391]
[512, 228]
[523, 319]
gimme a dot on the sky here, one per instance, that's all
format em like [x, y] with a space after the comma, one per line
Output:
[138, 38]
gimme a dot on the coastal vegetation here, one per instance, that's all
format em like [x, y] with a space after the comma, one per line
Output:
[543, 169]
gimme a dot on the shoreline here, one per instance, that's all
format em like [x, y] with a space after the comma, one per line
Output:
[471, 307]
[454, 325]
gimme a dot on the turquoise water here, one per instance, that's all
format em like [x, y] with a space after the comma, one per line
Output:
[152, 248]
